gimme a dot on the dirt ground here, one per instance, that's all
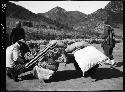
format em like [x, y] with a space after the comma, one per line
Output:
[69, 79]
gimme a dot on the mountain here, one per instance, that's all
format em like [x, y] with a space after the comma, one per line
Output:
[58, 15]
[100, 14]
[16, 11]
[112, 13]
[77, 16]
[116, 12]
[70, 20]
[115, 6]
[65, 17]
[19, 12]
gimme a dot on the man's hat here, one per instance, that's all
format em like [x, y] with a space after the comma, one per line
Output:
[22, 41]
[18, 24]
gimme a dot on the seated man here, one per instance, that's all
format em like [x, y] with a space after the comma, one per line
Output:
[15, 60]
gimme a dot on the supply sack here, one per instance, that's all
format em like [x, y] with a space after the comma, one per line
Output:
[42, 73]
[76, 45]
[89, 57]
[58, 43]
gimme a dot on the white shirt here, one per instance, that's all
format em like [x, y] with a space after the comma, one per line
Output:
[12, 53]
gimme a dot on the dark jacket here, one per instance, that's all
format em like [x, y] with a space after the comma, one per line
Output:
[108, 37]
[17, 34]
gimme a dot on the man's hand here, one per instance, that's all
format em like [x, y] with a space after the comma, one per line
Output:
[28, 56]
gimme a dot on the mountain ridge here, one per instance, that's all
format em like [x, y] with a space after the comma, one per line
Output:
[71, 20]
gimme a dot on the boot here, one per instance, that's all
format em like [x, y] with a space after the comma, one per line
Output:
[113, 63]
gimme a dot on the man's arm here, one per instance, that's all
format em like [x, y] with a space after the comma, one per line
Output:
[17, 56]
[105, 33]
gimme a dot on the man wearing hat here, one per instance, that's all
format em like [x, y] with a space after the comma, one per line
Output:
[15, 60]
[17, 33]
[109, 42]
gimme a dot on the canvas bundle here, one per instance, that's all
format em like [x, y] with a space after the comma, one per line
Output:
[42, 73]
[76, 45]
[89, 57]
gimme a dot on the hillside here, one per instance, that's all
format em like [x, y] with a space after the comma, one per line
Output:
[18, 12]
[113, 13]
[71, 24]
[15, 11]
[65, 17]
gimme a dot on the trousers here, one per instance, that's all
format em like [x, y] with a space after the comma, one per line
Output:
[108, 51]
[16, 70]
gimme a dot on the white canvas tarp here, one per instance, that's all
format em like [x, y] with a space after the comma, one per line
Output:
[42, 73]
[89, 57]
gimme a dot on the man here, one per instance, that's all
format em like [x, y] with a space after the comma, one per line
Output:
[17, 33]
[109, 42]
[15, 60]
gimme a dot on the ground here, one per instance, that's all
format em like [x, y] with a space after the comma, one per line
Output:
[69, 79]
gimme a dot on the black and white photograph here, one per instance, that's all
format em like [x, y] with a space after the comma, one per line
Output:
[64, 45]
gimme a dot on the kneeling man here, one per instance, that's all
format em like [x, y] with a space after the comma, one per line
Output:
[15, 59]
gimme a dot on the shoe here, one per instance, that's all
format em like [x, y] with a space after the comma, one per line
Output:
[107, 62]
[17, 79]
[112, 62]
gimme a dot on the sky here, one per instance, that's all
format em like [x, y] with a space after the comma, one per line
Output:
[86, 7]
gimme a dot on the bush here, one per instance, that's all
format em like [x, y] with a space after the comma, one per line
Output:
[96, 41]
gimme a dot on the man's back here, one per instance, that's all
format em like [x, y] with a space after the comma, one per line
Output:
[17, 34]
[9, 54]
[108, 36]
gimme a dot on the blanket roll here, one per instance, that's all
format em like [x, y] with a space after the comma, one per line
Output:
[89, 57]
[76, 45]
